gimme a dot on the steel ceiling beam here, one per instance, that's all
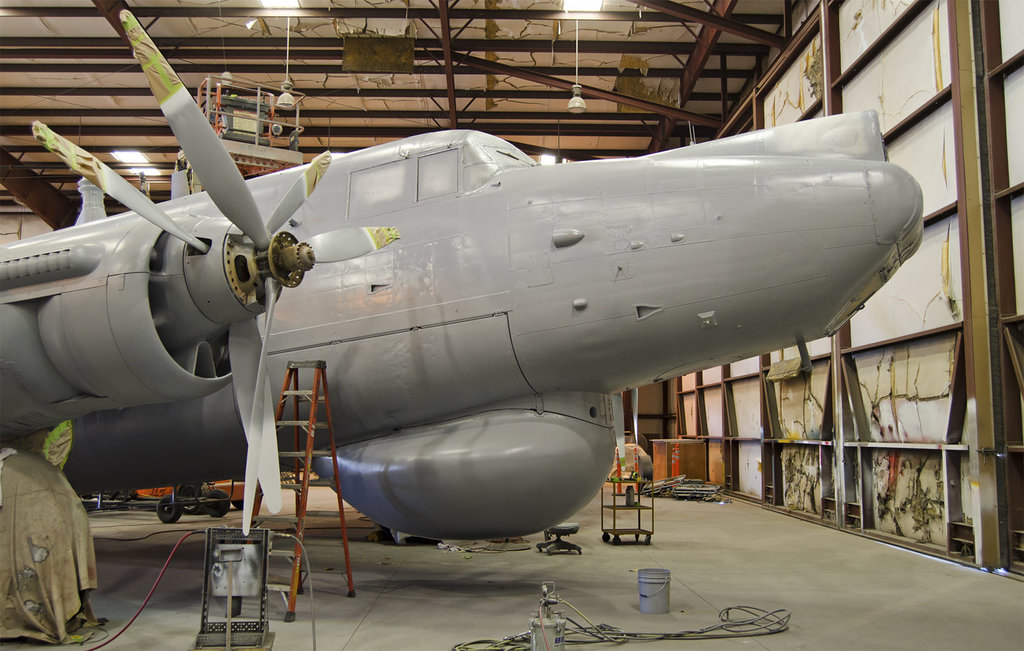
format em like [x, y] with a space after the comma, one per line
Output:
[29, 188]
[319, 48]
[297, 68]
[374, 12]
[466, 117]
[449, 76]
[117, 91]
[685, 13]
[535, 75]
[111, 10]
[575, 127]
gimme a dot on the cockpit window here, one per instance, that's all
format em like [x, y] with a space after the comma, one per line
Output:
[438, 175]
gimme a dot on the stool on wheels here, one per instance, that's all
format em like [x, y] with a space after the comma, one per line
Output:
[559, 530]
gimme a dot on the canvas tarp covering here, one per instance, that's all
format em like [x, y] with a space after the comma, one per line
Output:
[47, 562]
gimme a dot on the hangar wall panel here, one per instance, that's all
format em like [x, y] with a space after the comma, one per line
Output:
[750, 468]
[1014, 89]
[928, 152]
[901, 80]
[1011, 27]
[797, 90]
[861, 22]
[924, 293]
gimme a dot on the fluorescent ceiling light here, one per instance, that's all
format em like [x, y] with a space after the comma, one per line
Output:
[548, 159]
[280, 4]
[148, 171]
[582, 5]
[130, 156]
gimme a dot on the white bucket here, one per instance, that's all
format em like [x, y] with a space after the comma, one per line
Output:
[653, 585]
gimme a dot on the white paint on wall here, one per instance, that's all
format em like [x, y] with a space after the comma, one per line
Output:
[860, 24]
[928, 152]
[924, 293]
[797, 89]
[1011, 27]
[905, 390]
[713, 411]
[746, 398]
[712, 375]
[690, 414]
[745, 367]
[750, 468]
[1017, 227]
[801, 402]
[1014, 93]
[908, 73]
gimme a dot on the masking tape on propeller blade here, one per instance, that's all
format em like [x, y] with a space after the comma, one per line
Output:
[76, 158]
[317, 168]
[162, 79]
[382, 235]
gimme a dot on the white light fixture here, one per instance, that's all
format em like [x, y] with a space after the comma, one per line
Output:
[576, 104]
[582, 5]
[145, 171]
[286, 100]
[280, 4]
[548, 159]
[130, 156]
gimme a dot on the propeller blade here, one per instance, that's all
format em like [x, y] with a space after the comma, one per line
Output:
[618, 415]
[100, 175]
[244, 342]
[214, 165]
[299, 192]
[346, 243]
[261, 419]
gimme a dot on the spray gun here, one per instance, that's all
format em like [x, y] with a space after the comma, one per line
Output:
[547, 630]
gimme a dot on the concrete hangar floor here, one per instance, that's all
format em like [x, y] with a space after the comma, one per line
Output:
[844, 591]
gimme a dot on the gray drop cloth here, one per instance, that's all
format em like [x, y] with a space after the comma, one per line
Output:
[47, 562]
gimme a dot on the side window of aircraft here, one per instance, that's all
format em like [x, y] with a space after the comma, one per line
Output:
[381, 189]
[438, 174]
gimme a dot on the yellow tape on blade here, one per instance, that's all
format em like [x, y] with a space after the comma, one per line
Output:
[76, 158]
[162, 79]
[382, 235]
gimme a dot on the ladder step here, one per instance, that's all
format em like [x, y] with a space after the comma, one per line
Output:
[304, 393]
[301, 454]
[312, 483]
[301, 423]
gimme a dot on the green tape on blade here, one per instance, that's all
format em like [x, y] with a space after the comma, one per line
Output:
[161, 77]
[383, 235]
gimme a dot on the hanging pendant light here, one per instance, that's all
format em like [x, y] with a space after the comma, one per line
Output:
[286, 100]
[576, 104]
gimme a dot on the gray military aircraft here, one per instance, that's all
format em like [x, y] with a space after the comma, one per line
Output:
[470, 362]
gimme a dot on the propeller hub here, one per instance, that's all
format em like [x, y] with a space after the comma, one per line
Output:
[287, 260]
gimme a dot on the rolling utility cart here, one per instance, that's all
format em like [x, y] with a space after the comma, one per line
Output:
[627, 511]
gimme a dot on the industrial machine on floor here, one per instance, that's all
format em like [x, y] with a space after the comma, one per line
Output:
[472, 360]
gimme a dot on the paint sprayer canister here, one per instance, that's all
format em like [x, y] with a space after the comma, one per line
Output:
[653, 585]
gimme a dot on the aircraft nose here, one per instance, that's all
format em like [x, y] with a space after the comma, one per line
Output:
[896, 207]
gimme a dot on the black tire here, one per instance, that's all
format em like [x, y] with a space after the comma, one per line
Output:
[189, 494]
[647, 540]
[168, 511]
[217, 504]
[605, 537]
[616, 541]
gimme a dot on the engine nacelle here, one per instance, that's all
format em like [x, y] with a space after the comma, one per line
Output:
[146, 324]
[497, 473]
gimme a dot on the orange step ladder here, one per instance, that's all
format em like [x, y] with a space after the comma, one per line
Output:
[305, 430]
